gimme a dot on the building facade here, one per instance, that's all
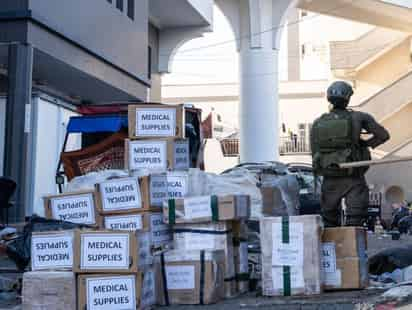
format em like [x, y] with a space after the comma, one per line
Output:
[58, 55]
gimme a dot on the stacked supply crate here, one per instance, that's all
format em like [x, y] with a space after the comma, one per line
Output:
[207, 223]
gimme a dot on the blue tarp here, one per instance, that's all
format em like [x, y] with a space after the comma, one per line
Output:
[90, 124]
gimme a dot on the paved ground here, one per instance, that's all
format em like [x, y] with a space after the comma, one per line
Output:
[357, 300]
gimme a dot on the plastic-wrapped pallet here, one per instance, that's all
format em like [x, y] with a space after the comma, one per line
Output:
[240, 248]
[209, 236]
[189, 277]
[291, 249]
[49, 290]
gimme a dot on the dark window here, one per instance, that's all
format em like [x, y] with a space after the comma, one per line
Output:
[149, 63]
[119, 5]
[130, 9]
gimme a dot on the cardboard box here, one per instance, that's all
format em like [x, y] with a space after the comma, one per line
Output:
[121, 195]
[157, 155]
[156, 121]
[105, 251]
[161, 233]
[213, 236]
[49, 290]
[291, 249]
[128, 222]
[344, 258]
[190, 277]
[108, 291]
[52, 250]
[206, 209]
[76, 207]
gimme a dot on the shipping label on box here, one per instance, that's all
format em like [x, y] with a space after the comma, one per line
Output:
[156, 122]
[120, 194]
[180, 277]
[291, 253]
[144, 240]
[100, 251]
[161, 233]
[331, 276]
[158, 189]
[79, 209]
[167, 186]
[116, 292]
[177, 185]
[52, 251]
[147, 154]
[181, 155]
[197, 207]
[130, 222]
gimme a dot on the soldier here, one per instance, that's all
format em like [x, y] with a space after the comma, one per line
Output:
[335, 139]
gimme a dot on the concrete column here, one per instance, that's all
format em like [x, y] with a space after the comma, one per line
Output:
[17, 161]
[293, 45]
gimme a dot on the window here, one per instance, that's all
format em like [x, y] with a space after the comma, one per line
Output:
[119, 5]
[130, 9]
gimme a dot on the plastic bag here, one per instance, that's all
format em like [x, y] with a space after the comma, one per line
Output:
[87, 181]
[390, 259]
[19, 249]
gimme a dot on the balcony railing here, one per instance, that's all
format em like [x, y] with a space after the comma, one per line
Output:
[288, 146]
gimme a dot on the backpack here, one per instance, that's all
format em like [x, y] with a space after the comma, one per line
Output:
[332, 144]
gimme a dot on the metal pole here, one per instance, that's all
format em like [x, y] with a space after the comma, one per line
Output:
[18, 126]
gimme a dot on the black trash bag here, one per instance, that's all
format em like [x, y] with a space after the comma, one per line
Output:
[19, 249]
[390, 259]
[405, 225]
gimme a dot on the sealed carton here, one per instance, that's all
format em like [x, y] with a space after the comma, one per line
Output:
[108, 291]
[161, 233]
[213, 236]
[105, 251]
[156, 121]
[49, 290]
[157, 155]
[241, 266]
[206, 209]
[128, 222]
[77, 207]
[52, 250]
[190, 277]
[344, 258]
[291, 248]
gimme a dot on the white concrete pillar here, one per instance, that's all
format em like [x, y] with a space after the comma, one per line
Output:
[258, 25]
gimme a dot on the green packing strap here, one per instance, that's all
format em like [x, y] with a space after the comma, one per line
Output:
[172, 211]
[215, 208]
[287, 288]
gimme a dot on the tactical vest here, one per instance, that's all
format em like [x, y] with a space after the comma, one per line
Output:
[332, 142]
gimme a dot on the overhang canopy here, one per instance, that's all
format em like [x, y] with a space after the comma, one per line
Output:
[375, 12]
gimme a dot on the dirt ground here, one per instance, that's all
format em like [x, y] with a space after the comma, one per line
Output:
[359, 300]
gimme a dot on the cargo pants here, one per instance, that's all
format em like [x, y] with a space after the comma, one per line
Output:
[356, 194]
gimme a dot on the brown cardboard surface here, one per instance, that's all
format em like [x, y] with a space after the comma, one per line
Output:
[180, 119]
[52, 250]
[349, 241]
[352, 273]
[305, 247]
[213, 289]
[79, 248]
[49, 214]
[170, 160]
[230, 207]
[82, 299]
[49, 290]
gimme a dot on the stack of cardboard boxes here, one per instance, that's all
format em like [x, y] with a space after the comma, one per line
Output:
[211, 223]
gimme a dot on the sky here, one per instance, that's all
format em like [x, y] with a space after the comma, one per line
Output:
[210, 59]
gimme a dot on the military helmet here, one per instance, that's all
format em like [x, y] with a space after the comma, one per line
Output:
[339, 91]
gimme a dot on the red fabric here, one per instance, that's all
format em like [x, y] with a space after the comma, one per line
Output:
[207, 128]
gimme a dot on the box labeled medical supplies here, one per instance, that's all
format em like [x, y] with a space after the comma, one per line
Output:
[52, 250]
[206, 209]
[77, 207]
[344, 258]
[291, 249]
[161, 233]
[156, 121]
[49, 290]
[121, 195]
[105, 251]
[190, 277]
[157, 155]
[108, 291]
